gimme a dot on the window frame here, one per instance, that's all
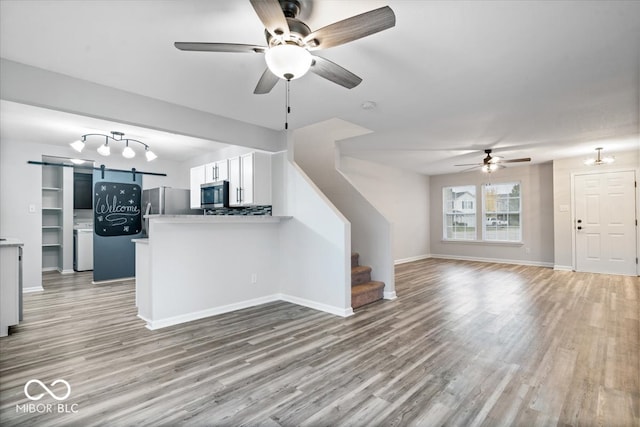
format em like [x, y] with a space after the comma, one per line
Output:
[508, 213]
[450, 204]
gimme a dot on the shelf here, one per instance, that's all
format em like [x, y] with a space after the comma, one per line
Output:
[52, 212]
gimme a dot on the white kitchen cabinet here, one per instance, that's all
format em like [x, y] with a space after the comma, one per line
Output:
[250, 179]
[198, 176]
[216, 171]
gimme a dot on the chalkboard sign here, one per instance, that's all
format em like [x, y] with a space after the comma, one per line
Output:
[117, 209]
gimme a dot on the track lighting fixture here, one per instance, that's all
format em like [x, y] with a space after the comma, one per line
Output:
[105, 149]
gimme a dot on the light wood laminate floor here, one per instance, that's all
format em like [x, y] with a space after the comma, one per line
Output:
[465, 344]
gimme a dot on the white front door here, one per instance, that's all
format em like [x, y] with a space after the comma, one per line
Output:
[605, 223]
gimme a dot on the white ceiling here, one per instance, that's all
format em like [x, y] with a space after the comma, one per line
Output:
[528, 79]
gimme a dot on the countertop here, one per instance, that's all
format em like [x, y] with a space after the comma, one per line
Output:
[217, 219]
[10, 241]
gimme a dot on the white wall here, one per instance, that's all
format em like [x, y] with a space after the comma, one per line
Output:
[215, 275]
[316, 153]
[563, 170]
[35, 86]
[21, 186]
[315, 248]
[536, 219]
[402, 197]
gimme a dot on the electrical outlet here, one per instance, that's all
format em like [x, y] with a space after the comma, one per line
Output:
[527, 250]
[32, 208]
[254, 278]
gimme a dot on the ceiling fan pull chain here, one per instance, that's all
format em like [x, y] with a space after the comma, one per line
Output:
[287, 107]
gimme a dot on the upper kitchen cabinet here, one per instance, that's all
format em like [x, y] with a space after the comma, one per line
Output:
[82, 190]
[250, 179]
[216, 171]
[198, 176]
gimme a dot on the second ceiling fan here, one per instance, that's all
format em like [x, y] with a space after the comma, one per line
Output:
[290, 43]
[491, 163]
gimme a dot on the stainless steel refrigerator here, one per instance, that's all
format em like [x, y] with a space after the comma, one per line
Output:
[166, 201]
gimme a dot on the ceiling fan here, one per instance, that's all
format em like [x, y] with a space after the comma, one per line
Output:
[290, 43]
[491, 163]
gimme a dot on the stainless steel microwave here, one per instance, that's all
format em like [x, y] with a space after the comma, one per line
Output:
[214, 195]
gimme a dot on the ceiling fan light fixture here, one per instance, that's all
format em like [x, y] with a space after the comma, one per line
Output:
[288, 61]
[489, 167]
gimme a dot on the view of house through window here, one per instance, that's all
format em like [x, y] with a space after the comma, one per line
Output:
[500, 218]
[459, 212]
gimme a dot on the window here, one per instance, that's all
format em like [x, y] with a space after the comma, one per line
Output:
[501, 217]
[459, 212]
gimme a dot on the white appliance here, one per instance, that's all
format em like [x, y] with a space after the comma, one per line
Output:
[83, 249]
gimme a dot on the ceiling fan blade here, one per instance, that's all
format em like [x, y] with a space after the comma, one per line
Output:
[469, 169]
[471, 164]
[335, 73]
[271, 14]
[266, 82]
[351, 29]
[524, 159]
[219, 47]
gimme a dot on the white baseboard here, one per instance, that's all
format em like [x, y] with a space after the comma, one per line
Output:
[104, 282]
[411, 259]
[494, 260]
[188, 317]
[390, 295]
[67, 271]
[563, 267]
[342, 312]
[32, 289]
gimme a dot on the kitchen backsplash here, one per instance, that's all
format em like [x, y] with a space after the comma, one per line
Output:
[245, 210]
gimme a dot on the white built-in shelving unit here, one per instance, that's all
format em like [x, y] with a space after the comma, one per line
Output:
[51, 217]
[57, 218]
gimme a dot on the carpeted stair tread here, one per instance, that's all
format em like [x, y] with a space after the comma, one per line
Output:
[360, 274]
[366, 293]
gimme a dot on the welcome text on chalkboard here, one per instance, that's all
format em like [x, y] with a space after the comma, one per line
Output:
[117, 209]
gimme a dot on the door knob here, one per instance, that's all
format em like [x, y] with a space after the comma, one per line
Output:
[579, 221]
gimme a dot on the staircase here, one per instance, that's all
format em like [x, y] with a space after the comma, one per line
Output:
[363, 290]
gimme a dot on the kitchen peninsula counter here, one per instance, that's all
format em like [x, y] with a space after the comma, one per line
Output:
[195, 266]
[225, 219]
